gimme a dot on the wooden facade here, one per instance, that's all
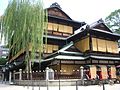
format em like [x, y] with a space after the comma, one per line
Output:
[95, 47]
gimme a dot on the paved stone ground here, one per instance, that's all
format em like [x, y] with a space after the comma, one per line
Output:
[92, 87]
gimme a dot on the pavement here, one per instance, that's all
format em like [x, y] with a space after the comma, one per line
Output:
[6, 86]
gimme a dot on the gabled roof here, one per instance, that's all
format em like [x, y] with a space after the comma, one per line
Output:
[75, 24]
[98, 28]
[56, 14]
[106, 34]
[100, 25]
[56, 10]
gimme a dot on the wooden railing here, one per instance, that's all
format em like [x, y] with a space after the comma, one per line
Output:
[38, 75]
[23, 75]
[73, 75]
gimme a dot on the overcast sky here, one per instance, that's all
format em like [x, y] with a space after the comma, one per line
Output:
[80, 10]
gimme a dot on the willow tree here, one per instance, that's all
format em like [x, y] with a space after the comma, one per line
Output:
[24, 23]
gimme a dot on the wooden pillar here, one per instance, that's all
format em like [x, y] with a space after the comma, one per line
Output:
[90, 41]
[60, 64]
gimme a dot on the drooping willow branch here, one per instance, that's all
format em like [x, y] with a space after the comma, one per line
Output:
[24, 23]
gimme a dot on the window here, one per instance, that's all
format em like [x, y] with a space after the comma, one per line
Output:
[59, 28]
[115, 47]
[112, 46]
[94, 44]
[55, 27]
[49, 48]
[55, 47]
[70, 30]
[101, 45]
[66, 29]
[108, 44]
[50, 26]
[104, 45]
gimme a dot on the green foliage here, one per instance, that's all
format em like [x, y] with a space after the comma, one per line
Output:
[24, 22]
[3, 61]
[113, 21]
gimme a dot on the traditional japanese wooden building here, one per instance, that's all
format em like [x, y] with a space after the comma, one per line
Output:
[73, 44]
